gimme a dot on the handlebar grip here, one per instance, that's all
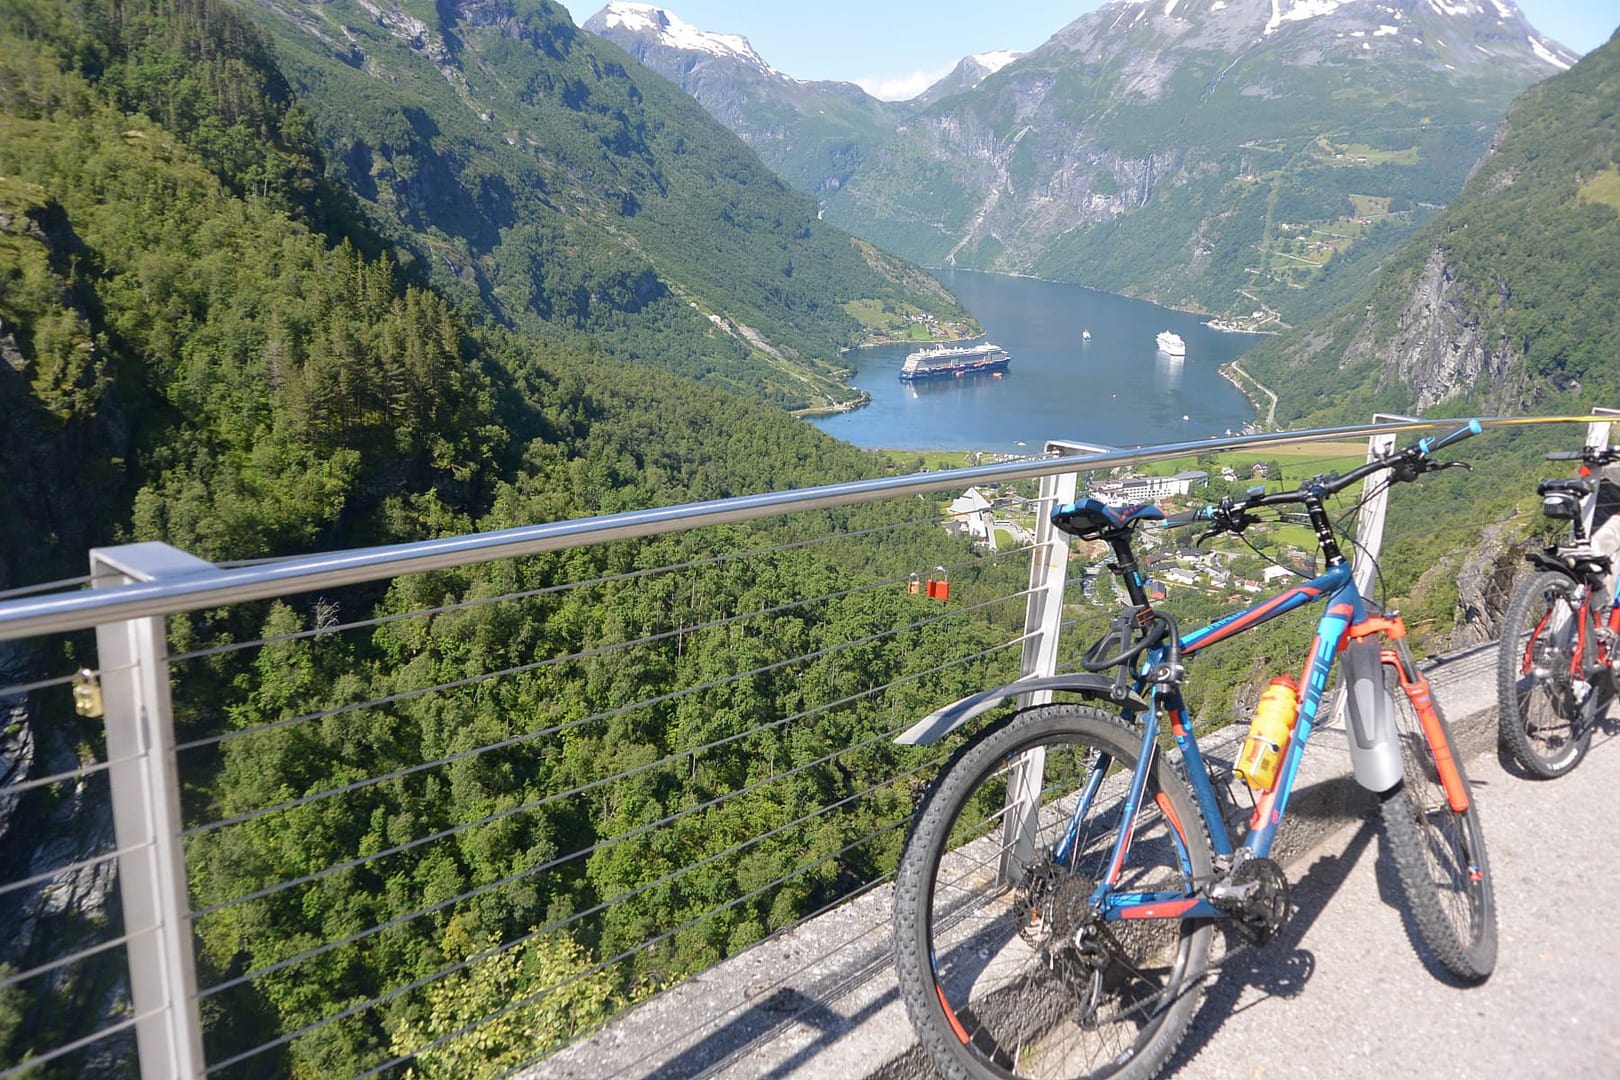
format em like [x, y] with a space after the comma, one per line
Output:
[1467, 431]
[1187, 517]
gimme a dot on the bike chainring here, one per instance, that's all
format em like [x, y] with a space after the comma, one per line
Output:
[1265, 909]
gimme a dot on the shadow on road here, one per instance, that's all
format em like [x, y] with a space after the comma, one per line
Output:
[1281, 968]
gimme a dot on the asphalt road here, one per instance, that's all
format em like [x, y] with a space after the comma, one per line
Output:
[1342, 993]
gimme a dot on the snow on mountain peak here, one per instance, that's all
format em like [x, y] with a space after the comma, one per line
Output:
[675, 34]
[995, 60]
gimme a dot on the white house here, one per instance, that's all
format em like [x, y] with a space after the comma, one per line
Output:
[1272, 574]
[971, 513]
[1147, 488]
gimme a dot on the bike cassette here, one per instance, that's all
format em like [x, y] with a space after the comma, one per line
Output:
[1051, 905]
[1257, 894]
[1052, 912]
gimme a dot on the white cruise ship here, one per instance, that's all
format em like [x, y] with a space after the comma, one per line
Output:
[1171, 344]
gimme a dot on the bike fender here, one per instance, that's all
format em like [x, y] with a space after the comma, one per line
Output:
[941, 722]
[1375, 747]
[1544, 561]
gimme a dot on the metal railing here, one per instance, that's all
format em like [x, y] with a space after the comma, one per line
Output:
[561, 731]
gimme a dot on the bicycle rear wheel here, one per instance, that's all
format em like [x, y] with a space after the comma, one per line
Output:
[1005, 969]
[1540, 700]
[1439, 853]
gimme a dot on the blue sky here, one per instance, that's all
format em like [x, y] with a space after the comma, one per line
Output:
[896, 48]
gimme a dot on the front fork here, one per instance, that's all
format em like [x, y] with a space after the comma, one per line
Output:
[1374, 738]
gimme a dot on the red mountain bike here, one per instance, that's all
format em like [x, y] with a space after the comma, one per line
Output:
[1554, 675]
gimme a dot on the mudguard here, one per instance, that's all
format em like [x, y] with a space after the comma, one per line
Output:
[1562, 564]
[1375, 744]
[941, 722]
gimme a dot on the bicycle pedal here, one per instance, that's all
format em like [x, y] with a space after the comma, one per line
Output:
[1257, 894]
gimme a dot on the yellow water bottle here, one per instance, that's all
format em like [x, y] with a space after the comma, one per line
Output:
[1269, 732]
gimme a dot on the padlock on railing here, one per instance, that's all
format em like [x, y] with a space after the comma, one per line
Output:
[938, 587]
[914, 583]
[87, 693]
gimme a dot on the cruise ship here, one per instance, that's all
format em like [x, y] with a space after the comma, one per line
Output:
[947, 361]
[1171, 344]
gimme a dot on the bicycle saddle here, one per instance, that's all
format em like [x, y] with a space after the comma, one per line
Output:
[1561, 499]
[1090, 519]
[1573, 485]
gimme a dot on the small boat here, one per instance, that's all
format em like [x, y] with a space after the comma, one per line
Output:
[1085, 335]
[1171, 344]
[954, 361]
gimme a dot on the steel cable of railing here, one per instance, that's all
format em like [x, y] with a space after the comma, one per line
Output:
[554, 797]
[382, 999]
[807, 964]
[73, 958]
[511, 879]
[78, 1044]
[61, 585]
[17, 689]
[545, 590]
[516, 740]
[553, 928]
[666, 935]
[61, 777]
[72, 868]
[519, 669]
[559, 925]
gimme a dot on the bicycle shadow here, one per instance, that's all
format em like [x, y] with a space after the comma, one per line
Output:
[1281, 968]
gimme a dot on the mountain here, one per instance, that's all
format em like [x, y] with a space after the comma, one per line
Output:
[811, 134]
[204, 341]
[968, 73]
[1508, 302]
[541, 175]
[1251, 158]
[1232, 156]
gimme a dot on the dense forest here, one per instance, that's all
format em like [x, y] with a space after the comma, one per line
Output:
[537, 174]
[210, 341]
[216, 334]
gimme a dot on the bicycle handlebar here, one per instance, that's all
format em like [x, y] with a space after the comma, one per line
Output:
[1591, 455]
[1406, 464]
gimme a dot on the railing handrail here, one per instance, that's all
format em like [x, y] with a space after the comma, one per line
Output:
[58, 613]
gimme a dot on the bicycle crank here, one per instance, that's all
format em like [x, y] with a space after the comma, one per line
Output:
[1257, 894]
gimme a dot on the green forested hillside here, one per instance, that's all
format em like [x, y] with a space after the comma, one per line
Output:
[205, 343]
[535, 168]
[1515, 286]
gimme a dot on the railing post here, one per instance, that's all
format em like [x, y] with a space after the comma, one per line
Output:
[1597, 432]
[133, 658]
[1374, 506]
[1043, 625]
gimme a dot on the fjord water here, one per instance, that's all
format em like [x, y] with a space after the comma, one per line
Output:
[1115, 389]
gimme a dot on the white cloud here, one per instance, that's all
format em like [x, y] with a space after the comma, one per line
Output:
[903, 87]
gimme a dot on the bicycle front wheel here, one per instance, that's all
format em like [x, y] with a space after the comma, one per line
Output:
[1005, 965]
[1540, 693]
[1439, 853]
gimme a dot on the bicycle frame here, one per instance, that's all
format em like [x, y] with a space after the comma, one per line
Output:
[1588, 643]
[1343, 622]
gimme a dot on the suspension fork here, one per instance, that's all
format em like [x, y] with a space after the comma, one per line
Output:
[1396, 655]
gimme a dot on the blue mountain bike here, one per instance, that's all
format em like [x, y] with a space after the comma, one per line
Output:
[1062, 878]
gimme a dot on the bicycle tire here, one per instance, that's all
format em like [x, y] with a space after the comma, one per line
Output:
[993, 990]
[1538, 702]
[1439, 854]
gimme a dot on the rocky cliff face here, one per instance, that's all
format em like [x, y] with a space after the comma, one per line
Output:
[1443, 350]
